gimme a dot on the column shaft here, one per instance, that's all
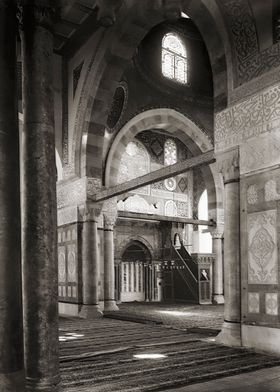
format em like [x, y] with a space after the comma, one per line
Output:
[11, 339]
[231, 330]
[218, 296]
[109, 271]
[90, 258]
[40, 292]
[232, 253]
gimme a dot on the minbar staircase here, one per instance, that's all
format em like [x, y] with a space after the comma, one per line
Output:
[186, 272]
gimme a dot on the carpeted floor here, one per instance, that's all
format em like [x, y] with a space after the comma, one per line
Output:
[99, 356]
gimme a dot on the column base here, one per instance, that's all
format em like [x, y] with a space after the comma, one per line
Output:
[230, 334]
[12, 382]
[110, 306]
[90, 312]
[218, 299]
[43, 384]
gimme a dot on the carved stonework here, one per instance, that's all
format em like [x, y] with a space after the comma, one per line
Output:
[110, 212]
[252, 194]
[257, 115]
[67, 215]
[228, 165]
[217, 233]
[253, 302]
[262, 248]
[90, 211]
[71, 193]
[93, 186]
[271, 304]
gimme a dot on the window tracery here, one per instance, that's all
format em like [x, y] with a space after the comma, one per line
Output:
[174, 58]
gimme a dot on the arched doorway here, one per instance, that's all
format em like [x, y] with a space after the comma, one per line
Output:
[137, 274]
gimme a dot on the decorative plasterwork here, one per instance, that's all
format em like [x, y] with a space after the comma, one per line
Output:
[270, 191]
[260, 153]
[71, 193]
[77, 191]
[255, 116]
[250, 63]
[67, 215]
[262, 248]
[110, 212]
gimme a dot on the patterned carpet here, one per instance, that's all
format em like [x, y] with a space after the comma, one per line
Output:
[99, 356]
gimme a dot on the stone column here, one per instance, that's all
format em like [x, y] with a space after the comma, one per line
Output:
[40, 287]
[110, 216]
[90, 263]
[218, 274]
[229, 166]
[11, 339]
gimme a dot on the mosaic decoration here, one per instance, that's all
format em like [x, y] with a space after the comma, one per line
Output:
[156, 147]
[271, 304]
[252, 194]
[253, 302]
[183, 184]
[262, 248]
[170, 184]
[270, 191]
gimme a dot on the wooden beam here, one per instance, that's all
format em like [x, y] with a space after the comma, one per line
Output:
[163, 218]
[155, 176]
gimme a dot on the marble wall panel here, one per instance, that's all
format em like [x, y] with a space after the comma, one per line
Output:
[271, 304]
[253, 302]
[262, 248]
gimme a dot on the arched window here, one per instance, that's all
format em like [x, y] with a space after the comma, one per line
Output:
[174, 58]
[205, 239]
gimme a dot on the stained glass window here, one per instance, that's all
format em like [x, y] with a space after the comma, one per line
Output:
[174, 58]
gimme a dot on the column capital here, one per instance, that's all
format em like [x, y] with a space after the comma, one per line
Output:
[38, 12]
[217, 233]
[110, 213]
[228, 165]
[90, 212]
